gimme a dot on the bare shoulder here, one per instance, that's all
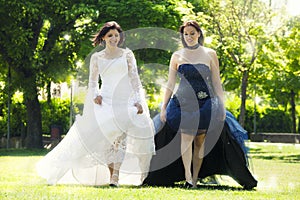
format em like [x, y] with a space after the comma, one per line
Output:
[209, 51]
[177, 54]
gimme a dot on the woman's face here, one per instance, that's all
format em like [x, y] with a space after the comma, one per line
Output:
[112, 38]
[190, 35]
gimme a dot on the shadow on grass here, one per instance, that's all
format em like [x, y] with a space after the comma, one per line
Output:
[202, 187]
[275, 154]
[292, 158]
[178, 186]
[23, 152]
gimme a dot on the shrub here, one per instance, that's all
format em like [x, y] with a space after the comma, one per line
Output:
[276, 121]
[57, 112]
[17, 119]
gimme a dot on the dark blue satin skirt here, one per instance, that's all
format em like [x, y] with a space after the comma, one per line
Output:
[188, 116]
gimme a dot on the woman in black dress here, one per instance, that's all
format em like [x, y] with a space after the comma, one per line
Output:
[190, 109]
[194, 115]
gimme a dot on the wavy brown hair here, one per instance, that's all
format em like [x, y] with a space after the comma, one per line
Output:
[97, 40]
[194, 24]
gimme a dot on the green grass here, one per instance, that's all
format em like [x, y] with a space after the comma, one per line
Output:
[275, 166]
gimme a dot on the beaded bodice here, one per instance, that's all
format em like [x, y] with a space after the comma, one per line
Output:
[195, 81]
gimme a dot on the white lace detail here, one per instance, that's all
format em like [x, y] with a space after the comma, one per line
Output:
[96, 140]
[94, 76]
[116, 153]
[134, 77]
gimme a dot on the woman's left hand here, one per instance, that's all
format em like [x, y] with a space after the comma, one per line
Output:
[139, 108]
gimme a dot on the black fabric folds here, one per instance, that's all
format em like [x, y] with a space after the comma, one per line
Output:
[226, 158]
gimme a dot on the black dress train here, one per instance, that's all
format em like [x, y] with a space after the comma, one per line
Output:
[195, 106]
[227, 157]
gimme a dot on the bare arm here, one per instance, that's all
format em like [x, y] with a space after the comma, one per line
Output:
[216, 80]
[170, 85]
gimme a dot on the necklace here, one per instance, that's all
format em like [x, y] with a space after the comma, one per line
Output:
[193, 47]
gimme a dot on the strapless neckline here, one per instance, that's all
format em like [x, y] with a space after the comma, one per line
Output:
[193, 64]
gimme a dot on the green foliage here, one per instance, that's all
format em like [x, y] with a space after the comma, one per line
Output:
[236, 28]
[275, 121]
[17, 117]
[17, 126]
[268, 120]
[280, 59]
[270, 117]
[232, 103]
[55, 113]
[42, 41]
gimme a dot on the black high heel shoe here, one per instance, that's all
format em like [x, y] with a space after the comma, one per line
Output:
[114, 180]
[113, 185]
[188, 185]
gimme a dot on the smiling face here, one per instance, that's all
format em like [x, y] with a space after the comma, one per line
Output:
[191, 35]
[112, 38]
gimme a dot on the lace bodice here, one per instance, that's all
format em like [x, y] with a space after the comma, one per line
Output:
[119, 76]
[105, 133]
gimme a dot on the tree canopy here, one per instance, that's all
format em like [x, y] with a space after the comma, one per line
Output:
[42, 41]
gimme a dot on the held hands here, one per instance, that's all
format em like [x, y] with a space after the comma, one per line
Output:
[98, 100]
[139, 108]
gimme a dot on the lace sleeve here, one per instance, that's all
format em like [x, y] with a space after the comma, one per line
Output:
[134, 77]
[94, 76]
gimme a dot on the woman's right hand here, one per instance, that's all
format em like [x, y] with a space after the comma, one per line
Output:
[163, 115]
[98, 100]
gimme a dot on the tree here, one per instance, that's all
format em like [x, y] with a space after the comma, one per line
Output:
[150, 33]
[41, 40]
[238, 26]
[290, 45]
[32, 43]
[282, 80]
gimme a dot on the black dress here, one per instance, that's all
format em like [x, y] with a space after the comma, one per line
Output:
[225, 158]
[194, 106]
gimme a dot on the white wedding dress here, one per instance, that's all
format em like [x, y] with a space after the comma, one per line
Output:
[107, 133]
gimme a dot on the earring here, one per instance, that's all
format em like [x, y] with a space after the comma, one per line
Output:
[103, 43]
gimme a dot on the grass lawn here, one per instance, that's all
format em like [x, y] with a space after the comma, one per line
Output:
[275, 166]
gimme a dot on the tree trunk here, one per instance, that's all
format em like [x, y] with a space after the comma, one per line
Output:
[293, 109]
[34, 120]
[49, 92]
[298, 124]
[243, 98]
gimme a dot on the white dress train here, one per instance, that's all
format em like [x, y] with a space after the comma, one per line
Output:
[106, 133]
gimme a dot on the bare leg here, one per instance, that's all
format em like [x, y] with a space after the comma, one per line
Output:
[198, 156]
[114, 179]
[186, 153]
[111, 169]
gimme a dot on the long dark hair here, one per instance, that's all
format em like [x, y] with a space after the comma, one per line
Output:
[194, 24]
[97, 40]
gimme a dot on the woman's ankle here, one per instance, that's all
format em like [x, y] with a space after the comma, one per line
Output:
[114, 179]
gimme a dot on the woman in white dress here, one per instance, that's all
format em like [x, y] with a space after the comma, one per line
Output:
[113, 140]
